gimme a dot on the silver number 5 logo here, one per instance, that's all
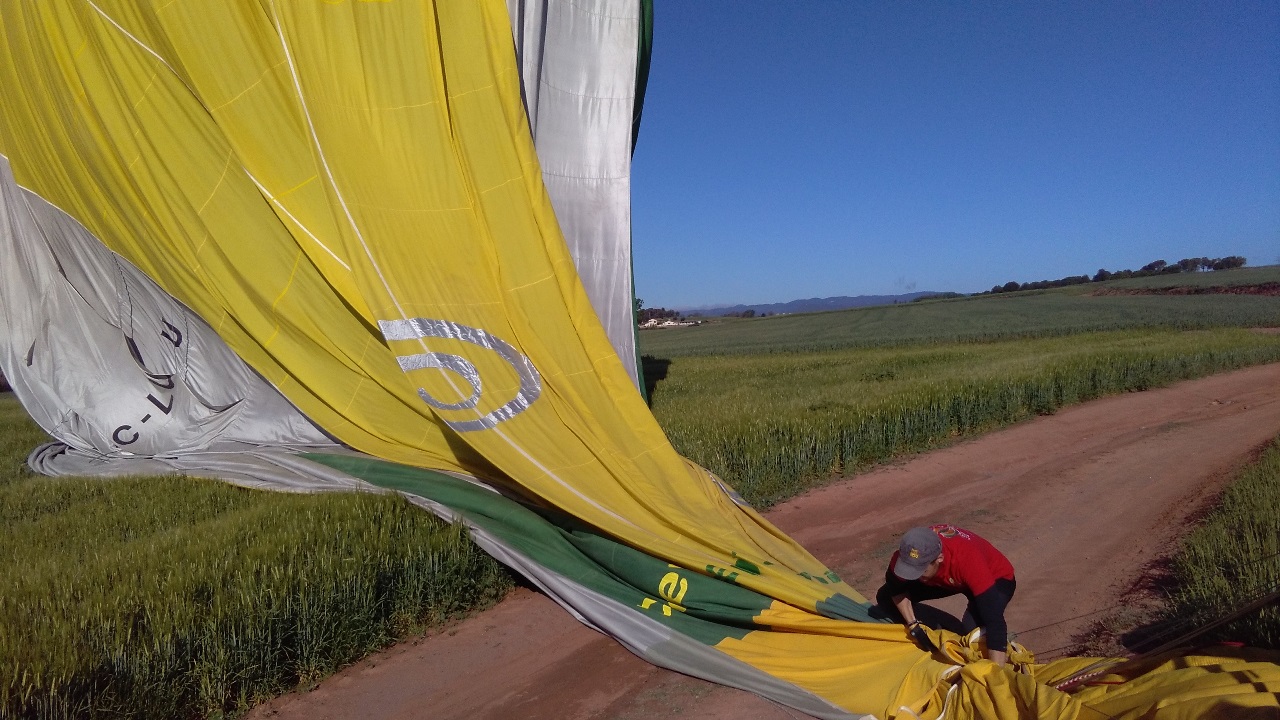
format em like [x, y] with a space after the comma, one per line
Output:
[416, 328]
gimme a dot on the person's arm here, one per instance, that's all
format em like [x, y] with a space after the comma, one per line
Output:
[916, 630]
[905, 608]
[897, 589]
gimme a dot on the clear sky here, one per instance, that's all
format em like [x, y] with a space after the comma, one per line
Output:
[831, 147]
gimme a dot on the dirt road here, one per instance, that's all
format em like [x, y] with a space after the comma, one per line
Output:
[1081, 502]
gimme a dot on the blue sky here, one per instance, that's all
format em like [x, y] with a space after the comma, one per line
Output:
[821, 148]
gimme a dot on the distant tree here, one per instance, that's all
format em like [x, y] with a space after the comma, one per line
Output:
[648, 314]
[639, 305]
[1152, 268]
[1157, 267]
[748, 313]
[942, 295]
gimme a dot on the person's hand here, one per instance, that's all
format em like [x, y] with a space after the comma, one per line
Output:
[917, 632]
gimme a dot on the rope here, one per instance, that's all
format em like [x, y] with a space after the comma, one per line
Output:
[1174, 624]
[1266, 598]
[1260, 560]
[1049, 654]
[1260, 599]
[1055, 624]
[1257, 603]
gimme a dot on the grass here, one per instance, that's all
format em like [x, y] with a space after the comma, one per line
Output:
[1233, 557]
[1035, 313]
[774, 425]
[163, 597]
[174, 597]
[19, 437]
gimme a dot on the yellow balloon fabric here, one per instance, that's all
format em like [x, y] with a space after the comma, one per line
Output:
[348, 192]
[344, 190]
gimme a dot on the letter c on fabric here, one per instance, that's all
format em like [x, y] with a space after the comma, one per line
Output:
[417, 328]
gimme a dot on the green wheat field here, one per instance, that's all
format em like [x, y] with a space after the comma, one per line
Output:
[174, 597]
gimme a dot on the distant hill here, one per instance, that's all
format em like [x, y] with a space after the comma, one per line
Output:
[806, 306]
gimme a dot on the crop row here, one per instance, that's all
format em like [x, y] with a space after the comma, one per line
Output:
[173, 597]
[1233, 558]
[162, 597]
[1048, 313]
[775, 425]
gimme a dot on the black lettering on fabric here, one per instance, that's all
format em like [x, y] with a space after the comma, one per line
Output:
[176, 337]
[166, 409]
[159, 380]
[120, 440]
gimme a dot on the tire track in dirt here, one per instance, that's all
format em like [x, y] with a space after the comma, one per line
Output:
[1081, 501]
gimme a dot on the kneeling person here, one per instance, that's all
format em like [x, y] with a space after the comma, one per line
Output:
[943, 560]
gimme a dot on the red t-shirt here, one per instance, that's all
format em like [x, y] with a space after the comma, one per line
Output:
[970, 564]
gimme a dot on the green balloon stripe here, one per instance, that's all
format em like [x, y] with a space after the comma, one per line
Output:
[707, 609]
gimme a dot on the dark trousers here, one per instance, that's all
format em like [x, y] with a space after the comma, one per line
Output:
[935, 617]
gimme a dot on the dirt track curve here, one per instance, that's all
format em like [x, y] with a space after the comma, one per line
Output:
[1080, 501]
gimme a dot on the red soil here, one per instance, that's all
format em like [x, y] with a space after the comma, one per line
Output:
[1083, 502]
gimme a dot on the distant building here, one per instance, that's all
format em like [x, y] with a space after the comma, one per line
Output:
[656, 323]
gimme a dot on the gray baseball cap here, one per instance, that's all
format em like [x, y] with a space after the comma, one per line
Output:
[920, 546]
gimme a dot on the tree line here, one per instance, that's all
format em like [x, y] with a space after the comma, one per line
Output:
[647, 314]
[644, 314]
[1158, 267]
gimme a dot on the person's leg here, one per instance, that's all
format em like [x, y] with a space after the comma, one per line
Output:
[974, 618]
[941, 619]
